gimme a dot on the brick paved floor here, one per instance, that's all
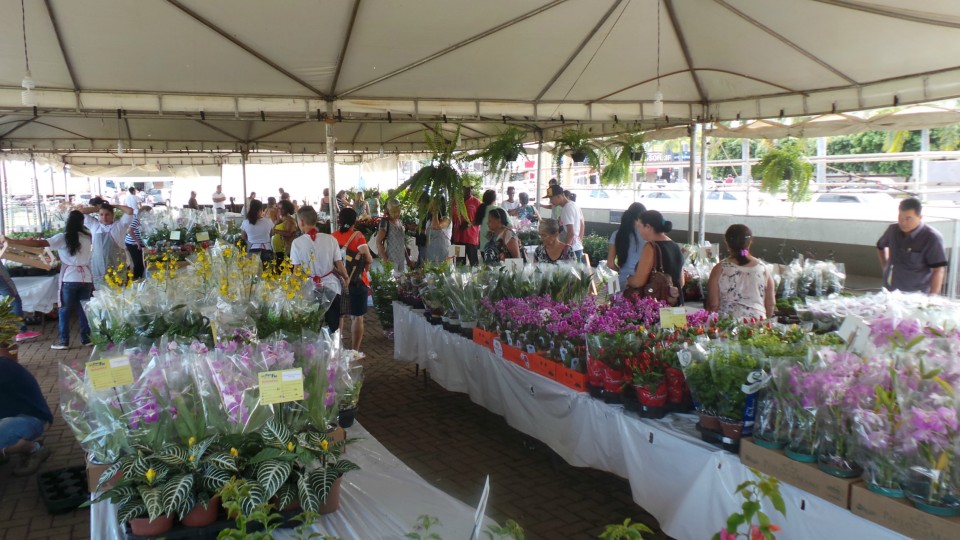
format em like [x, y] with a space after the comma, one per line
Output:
[450, 441]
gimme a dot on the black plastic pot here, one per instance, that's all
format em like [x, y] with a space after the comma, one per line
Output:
[579, 156]
[347, 417]
[511, 155]
[637, 156]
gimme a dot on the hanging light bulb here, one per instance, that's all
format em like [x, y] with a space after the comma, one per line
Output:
[658, 104]
[28, 97]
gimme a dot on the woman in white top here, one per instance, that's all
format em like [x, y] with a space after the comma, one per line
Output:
[255, 231]
[322, 259]
[740, 285]
[108, 233]
[75, 248]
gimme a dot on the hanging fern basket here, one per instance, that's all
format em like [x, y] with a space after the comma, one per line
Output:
[579, 156]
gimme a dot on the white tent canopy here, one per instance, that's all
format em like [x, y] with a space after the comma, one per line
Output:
[229, 75]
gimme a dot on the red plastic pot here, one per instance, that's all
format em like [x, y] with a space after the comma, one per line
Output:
[595, 371]
[676, 385]
[144, 527]
[613, 380]
[200, 516]
[654, 398]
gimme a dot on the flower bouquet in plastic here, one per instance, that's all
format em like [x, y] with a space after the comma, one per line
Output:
[844, 381]
[227, 377]
[102, 436]
[800, 408]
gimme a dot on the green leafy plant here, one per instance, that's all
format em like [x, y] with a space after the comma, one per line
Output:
[9, 322]
[596, 247]
[619, 156]
[579, 145]
[440, 178]
[753, 492]
[383, 286]
[424, 530]
[625, 531]
[233, 495]
[502, 151]
[786, 169]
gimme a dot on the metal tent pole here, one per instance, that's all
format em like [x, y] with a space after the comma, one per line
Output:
[3, 203]
[244, 152]
[331, 164]
[539, 167]
[952, 270]
[745, 167]
[66, 188]
[691, 231]
[703, 183]
[36, 192]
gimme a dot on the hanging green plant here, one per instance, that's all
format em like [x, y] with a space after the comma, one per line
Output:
[440, 178]
[786, 169]
[619, 157]
[502, 151]
[579, 145]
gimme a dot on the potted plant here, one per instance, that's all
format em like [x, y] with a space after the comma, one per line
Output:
[441, 178]
[502, 151]
[706, 393]
[350, 396]
[579, 145]
[650, 382]
[9, 327]
[619, 156]
[784, 168]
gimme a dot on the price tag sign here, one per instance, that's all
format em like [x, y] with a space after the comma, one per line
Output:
[848, 328]
[481, 510]
[213, 331]
[498, 348]
[110, 372]
[175, 235]
[203, 236]
[280, 386]
[457, 252]
[673, 317]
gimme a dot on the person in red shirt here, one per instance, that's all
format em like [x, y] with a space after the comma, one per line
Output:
[464, 232]
[358, 261]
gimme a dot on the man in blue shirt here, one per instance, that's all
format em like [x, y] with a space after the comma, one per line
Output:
[911, 253]
[24, 416]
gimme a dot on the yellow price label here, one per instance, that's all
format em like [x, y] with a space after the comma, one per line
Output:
[203, 236]
[175, 235]
[673, 317]
[213, 331]
[110, 372]
[280, 386]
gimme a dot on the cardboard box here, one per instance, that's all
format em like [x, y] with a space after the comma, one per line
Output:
[805, 476]
[901, 516]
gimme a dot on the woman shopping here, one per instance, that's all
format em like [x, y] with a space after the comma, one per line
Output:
[503, 243]
[75, 248]
[255, 231]
[740, 285]
[552, 250]
[284, 231]
[626, 245]
[357, 261]
[660, 270]
[392, 240]
[438, 233]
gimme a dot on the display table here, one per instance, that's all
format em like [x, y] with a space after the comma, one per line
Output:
[380, 501]
[688, 485]
[38, 293]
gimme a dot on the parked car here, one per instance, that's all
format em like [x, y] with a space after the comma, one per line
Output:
[854, 197]
[155, 197]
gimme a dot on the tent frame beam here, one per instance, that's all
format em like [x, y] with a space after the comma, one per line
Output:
[579, 49]
[343, 50]
[253, 52]
[450, 49]
[779, 37]
[905, 14]
[671, 12]
[791, 91]
[63, 49]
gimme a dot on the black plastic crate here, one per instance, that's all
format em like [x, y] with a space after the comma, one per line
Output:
[63, 490]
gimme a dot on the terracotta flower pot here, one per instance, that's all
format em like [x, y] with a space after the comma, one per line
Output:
[95, 471]
[200, 516]
[332, 503]
[144, 527]
[731, 430]
[709, 422]
[652, 398]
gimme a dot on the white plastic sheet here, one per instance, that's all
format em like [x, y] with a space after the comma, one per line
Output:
[688, 485]
[380, 501]
[38, 293]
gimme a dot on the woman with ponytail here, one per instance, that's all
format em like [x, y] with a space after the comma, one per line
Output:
[626, 244]
[740, 285]
[357, 260]
[659, 255]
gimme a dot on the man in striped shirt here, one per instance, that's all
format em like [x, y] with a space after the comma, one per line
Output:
[135, 243]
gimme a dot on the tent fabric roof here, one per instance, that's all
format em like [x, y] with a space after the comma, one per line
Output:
[219, 75]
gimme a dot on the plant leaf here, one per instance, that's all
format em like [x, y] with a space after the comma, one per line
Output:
[153, 500]
[275, 433]
[108, 474]
[270, 453]
[321, 481]
[254, 498]
[214, 479]
[309, 500]
[224, 461]
[286, 495]
[176, 493]
[172, 455]
[271, 475]
[130, 510]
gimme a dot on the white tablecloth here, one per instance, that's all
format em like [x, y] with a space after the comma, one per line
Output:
[380, 501]
[38, 293]
[688, 485]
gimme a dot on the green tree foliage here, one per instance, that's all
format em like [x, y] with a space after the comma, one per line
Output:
[872, 142]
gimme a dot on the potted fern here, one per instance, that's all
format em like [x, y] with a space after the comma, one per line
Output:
[785, 168]
[9, 327]
[440, 178]
[578, 144]
[619, 157]
[502, 151]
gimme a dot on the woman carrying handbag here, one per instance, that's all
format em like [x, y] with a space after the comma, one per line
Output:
[659, 273]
